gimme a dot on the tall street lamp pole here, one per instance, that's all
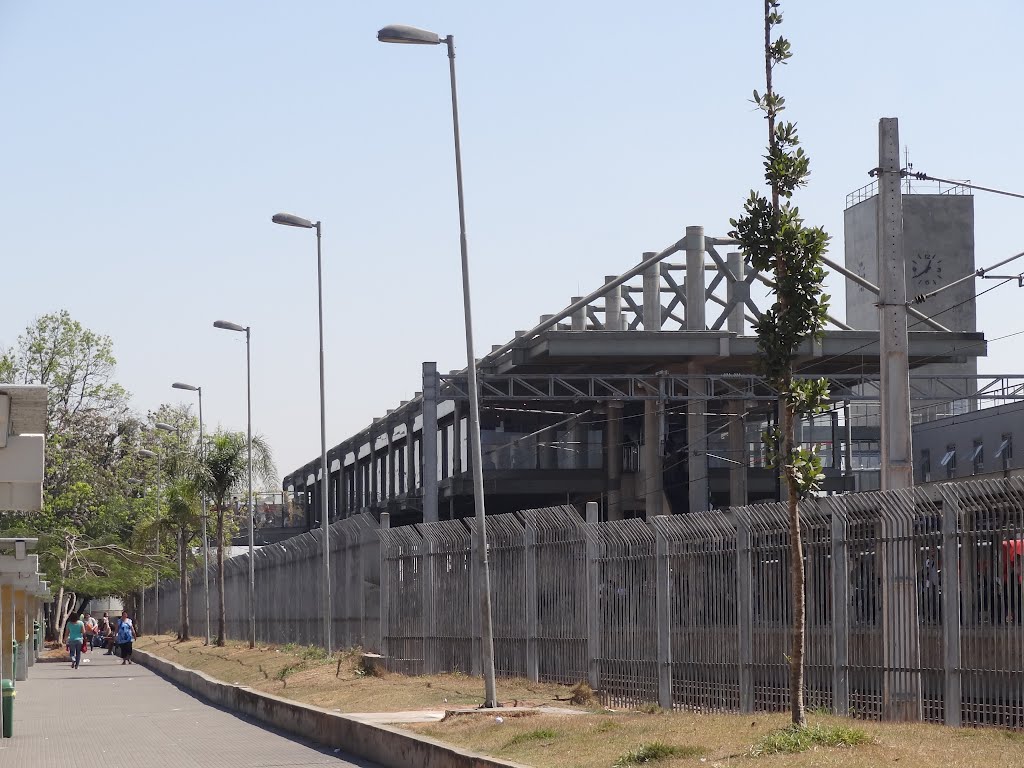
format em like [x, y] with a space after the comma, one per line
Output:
[290, 220]
[226, 326]
[398, 33]
[206, 546]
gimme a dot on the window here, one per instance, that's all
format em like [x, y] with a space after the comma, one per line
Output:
[949, 461]
[1005, 451]
[926, 466]
[978, 457]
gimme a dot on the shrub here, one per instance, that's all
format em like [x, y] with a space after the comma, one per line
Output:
[656, 750]
[797, 739]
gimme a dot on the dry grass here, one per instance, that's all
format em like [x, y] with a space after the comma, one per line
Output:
[724, 740]
[599, 739]
[340, 682]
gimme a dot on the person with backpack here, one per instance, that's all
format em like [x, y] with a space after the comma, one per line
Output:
[74, 636]
[125, 636]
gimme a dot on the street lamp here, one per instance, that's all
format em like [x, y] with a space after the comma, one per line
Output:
[206, 546]
[290, 220]
[226, 326]
[400, 33]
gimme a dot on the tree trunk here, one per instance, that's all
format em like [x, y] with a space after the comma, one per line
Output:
[796, 575]
[183, 631]
[221, 615]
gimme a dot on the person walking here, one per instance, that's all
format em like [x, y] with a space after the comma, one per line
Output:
[125, 637]
[74, 634]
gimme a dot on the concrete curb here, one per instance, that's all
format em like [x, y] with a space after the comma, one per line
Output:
[391, 747]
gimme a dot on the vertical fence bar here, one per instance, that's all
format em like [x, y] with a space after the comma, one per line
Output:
[840, 614]
[951, 605]
[663, 612]
[745, 610]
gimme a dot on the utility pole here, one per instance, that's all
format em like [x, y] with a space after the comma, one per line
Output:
[897, 459]
[901, 699]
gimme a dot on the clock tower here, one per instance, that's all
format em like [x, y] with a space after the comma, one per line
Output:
[938, 246]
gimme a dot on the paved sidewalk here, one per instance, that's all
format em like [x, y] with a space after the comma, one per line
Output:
[107, 714]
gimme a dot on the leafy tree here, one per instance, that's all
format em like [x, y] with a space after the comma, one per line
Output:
[89, 506]
[225, 471]
[774, 237]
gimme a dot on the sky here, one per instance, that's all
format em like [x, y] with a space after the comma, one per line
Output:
[145, 147]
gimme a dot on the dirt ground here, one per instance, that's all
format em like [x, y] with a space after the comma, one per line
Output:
[599, 738]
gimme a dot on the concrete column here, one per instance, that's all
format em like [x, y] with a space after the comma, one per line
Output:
[21, 658]
[457, 468]
[613, 307]
[738, 452]
[952, 700]
[428, 448]
[579, 317]
[894, 379]
[613, 460]
[360, 482]
[652, 295]
[375, 494]
[30, 612]
[530, 577]
[594, 622]
[840, 612]
[739, 291]
[391, 487]
[653, 477]
[410, 458]
[663, 613]
[696, 409]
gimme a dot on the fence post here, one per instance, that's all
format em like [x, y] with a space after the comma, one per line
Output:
[593, 582]
[840, 607]
[530, 543]
[427, 580]
[663, 613]
[952, 700]
[385, 586]
[745, 609]
[476, 630]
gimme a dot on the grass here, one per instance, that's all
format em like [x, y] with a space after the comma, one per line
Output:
[537, 734]
[656, 751]
[795, 739]
[601, 737]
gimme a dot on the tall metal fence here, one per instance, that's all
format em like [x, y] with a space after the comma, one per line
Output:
[913, 602]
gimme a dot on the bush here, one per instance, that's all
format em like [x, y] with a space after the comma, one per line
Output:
[797, 739]
[656, 750]
[582, 694]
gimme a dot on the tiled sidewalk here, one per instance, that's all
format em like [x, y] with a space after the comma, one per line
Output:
[107, 714]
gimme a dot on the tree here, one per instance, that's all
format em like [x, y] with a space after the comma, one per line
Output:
[774, 238]
[225, 471]
[89, 507]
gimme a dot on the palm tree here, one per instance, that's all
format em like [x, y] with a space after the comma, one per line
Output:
[224, 471]
[184, 519]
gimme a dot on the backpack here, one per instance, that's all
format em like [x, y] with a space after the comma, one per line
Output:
[124, 632]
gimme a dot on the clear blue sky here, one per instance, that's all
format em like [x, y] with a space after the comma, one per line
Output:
[146, 145]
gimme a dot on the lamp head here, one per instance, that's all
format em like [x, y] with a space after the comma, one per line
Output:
[291, 220]
[401, 33]
[163, 425]
[225, 325]
[146, 453]
[180, 385]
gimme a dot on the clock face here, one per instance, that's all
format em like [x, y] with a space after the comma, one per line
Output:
[926, 269]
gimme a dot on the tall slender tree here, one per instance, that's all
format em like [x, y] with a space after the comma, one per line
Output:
[775, 239]
[224, 472]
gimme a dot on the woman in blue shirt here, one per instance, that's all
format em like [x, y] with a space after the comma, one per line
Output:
[74, 634]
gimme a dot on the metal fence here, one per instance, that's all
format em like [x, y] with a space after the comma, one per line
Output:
[913, 602]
